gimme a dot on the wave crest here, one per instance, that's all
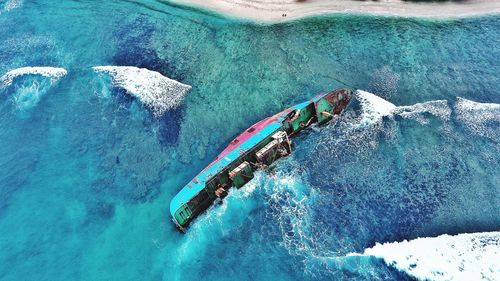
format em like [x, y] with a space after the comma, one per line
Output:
[479, 118]
[155, 91]
[54, 73]
[472, 256]
[374, 108]
[32, 84]
[438, 108]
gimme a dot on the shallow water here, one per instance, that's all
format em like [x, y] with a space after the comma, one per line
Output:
[87, 172]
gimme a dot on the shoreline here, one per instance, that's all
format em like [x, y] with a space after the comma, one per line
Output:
[275, 11]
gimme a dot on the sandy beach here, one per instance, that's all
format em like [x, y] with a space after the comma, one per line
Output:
[282, 10]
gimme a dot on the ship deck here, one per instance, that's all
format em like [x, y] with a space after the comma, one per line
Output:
[198, 183]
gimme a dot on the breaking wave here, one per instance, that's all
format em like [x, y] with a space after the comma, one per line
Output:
[359, 129]
[292, 199]
[350, 139]
[54, 73]
[154, 90]
[438, 108]
[481, 119]
[374, 108]
[30, 88]
[472, 256]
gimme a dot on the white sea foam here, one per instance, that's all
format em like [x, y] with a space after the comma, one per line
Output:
[289, 200]
[154, 90]
[28, 94]
[438, 108]
[360, 131]
[12, 4]
[54, 73]
[479, 118]
[374, 108]
[465, 257]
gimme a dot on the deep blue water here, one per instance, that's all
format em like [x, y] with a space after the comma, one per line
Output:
[87, 172]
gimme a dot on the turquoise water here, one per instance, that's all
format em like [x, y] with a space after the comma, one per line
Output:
[87, 172]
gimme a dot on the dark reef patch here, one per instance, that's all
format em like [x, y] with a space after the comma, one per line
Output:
[134, 48]
[101, 210]
[170, 126]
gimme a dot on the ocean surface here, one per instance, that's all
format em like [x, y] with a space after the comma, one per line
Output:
[91, 157]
